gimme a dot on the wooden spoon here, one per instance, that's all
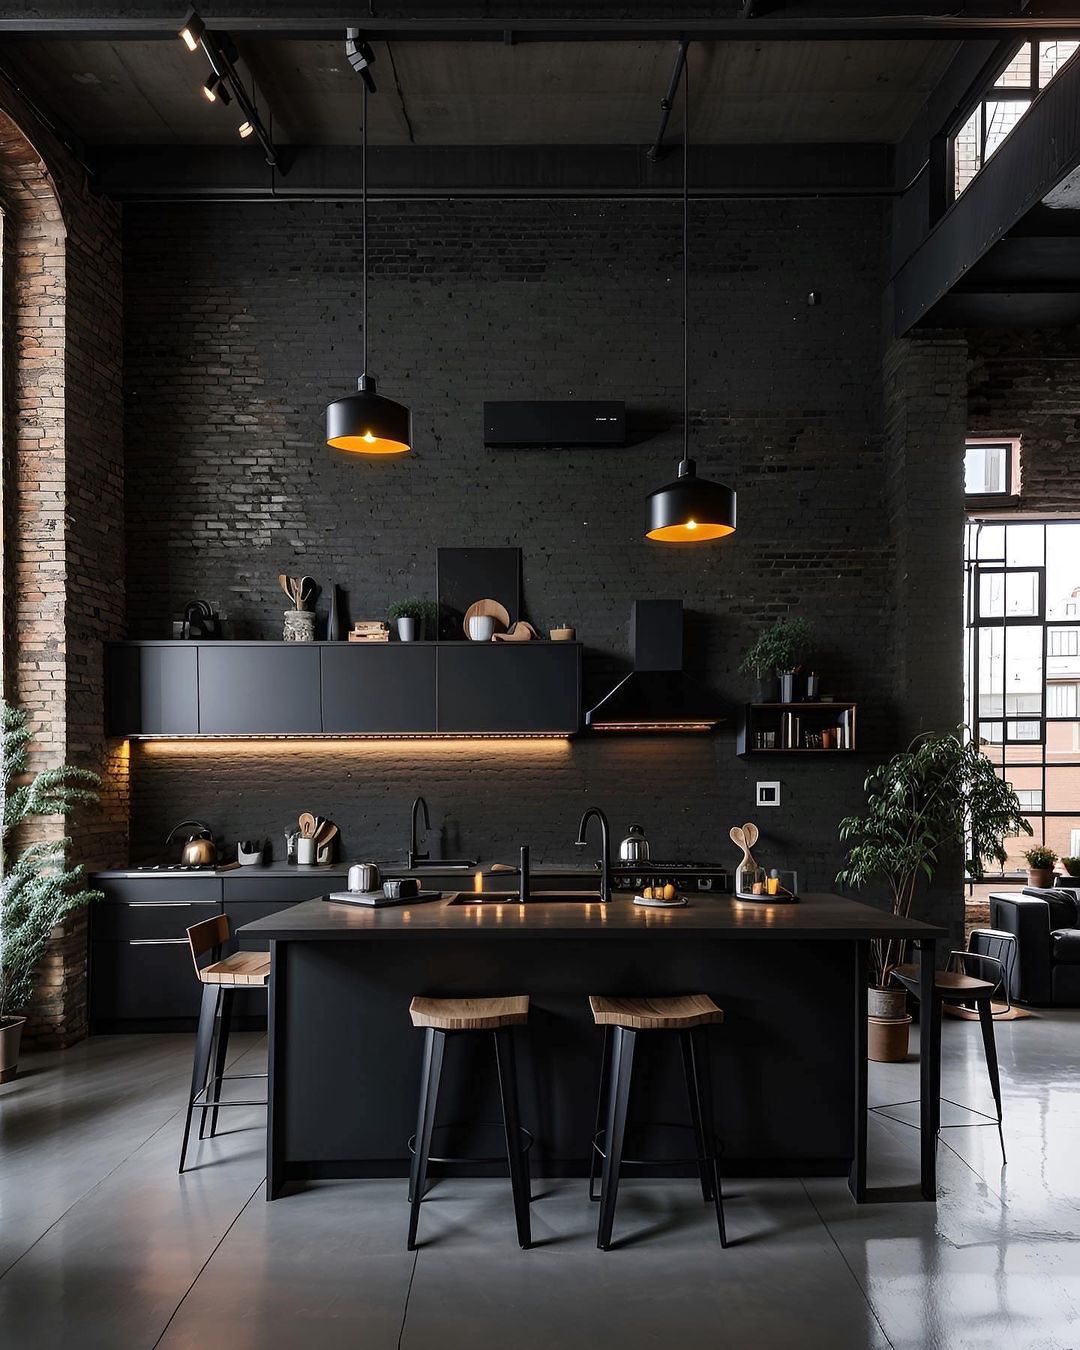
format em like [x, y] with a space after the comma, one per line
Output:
[326, 831]
[745, 837]
[307, 825]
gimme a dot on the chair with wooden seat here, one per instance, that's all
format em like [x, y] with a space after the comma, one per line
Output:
[623, 1020]
[443, 1017]
[971, 979]
[221, 976]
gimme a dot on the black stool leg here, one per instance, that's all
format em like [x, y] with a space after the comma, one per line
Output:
[434, 1044]
[704, 1170]
[600, 1099]
[986, 1021]
[228, 997]
[622, 1065]
[702, 1080]
[519, 1167]
[201, 1068]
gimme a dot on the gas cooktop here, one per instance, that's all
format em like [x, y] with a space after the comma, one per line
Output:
[686, 876]
[176, 867]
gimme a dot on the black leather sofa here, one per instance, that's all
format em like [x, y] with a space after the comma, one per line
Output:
[1046, 924]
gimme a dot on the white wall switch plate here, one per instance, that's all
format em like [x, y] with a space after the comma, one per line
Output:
[768, 794]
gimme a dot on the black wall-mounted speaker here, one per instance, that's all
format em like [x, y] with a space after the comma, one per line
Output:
[555, 423]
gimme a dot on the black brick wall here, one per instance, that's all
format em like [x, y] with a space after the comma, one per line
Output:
[242, 321]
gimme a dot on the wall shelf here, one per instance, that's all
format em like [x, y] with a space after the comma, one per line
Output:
[791, 723]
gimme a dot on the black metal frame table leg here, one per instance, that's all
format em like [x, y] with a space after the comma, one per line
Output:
[693, 1092]
[605, 1055]
[986, 1021]
[622, 1066]
[929, 1068]
[857, 1172]
[435, 1044]
[200, 1071]
[221, 1051]
[515, 1157]
[701, 1071]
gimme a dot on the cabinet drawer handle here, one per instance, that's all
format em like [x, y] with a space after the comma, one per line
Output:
[170, 904]
[158, 942]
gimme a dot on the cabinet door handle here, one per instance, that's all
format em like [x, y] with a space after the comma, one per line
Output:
[170, 904]
[158, 942]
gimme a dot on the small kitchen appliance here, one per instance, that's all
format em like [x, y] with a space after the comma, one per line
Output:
[635, 847]
[198, 848]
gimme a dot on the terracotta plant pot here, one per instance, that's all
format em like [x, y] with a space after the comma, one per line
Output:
[886, 1003]
[10, 1036]
[887, 1039]
[1042, 877]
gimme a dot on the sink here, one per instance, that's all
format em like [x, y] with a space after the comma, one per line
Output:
[511, 898]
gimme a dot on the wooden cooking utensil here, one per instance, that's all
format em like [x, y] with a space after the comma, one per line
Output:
[307, 824]
[745, 837]
[518, 632]
[491, 609]
[326, 831]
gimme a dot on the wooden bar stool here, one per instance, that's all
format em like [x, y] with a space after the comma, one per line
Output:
[220, 978]
[958, 987]
[623, 1019]
[442, 1017]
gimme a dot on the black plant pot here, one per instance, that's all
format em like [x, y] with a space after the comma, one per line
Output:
[765, 690]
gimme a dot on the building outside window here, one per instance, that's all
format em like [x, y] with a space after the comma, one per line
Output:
[1004, 104]
[991, 470]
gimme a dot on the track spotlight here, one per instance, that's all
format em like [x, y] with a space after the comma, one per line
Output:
[360, 56]
[246, 129]
[192, 31]
[216, 89]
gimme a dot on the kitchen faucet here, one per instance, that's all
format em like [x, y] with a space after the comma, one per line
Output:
[605, 837]
[414, 855]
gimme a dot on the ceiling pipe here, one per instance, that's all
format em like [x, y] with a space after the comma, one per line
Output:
[658, 150]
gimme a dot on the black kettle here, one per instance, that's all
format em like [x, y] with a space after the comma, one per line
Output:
[200, 621]
[199, 849]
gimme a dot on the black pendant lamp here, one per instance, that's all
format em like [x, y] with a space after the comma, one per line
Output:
[691, 510]
[366, 422]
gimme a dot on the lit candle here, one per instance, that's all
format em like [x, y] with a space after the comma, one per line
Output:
[773, 884]
[478, 883]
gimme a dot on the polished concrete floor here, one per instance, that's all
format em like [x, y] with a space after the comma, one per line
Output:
[102, 1245]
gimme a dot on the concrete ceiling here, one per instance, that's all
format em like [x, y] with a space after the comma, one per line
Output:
[146, 92]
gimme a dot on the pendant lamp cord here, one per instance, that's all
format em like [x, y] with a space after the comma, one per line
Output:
[363, 198]
[686, 257]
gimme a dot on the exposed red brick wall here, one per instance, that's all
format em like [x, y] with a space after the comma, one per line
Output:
[63, 574]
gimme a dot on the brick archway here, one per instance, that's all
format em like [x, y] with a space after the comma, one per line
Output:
[61, 497]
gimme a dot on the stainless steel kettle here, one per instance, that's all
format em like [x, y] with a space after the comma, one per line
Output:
[199, 849]
[635, 847]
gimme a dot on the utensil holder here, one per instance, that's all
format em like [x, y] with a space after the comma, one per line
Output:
[299, 625]
[305, 852]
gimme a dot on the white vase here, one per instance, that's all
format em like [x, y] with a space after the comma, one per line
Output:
[406, 629]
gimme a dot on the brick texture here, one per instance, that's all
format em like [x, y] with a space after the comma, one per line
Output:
[62, 500]
[241, 322]
[1027, 383]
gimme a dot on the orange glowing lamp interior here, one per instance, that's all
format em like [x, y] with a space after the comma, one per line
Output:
[367, 443]
[690, 532]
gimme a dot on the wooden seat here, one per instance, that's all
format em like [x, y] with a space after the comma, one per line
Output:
[655, 1014]
[949, 983]
[240, 968]
[469, 1014]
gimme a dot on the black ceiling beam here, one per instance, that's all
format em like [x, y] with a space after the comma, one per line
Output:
[1039, 153]
[608, 171]
[490, 22]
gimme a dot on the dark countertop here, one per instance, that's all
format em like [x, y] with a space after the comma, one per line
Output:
[335, 870]
[818, 917]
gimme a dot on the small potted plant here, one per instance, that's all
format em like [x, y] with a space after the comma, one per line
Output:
[939, 794]
[1072, 866]
[38, 889]
[778, 653]
[1040, 861]
[412, 618]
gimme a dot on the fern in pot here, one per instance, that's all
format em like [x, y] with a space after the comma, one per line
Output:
[939, 794]
[38, 888]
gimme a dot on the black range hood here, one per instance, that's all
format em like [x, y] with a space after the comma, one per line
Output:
[657, 695]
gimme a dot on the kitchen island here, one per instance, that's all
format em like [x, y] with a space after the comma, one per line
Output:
[789, 1061]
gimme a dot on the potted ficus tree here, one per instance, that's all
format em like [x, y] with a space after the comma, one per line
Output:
[38, 889]
[940, 793]
[778, 654]
[1040, 861]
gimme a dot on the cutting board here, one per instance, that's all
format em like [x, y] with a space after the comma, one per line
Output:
[468, 574]
[377, 900]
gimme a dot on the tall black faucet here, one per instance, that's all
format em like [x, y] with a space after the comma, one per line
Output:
[414, 855]
[605, 837]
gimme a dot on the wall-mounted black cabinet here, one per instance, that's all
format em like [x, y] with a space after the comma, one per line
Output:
[343, 689]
